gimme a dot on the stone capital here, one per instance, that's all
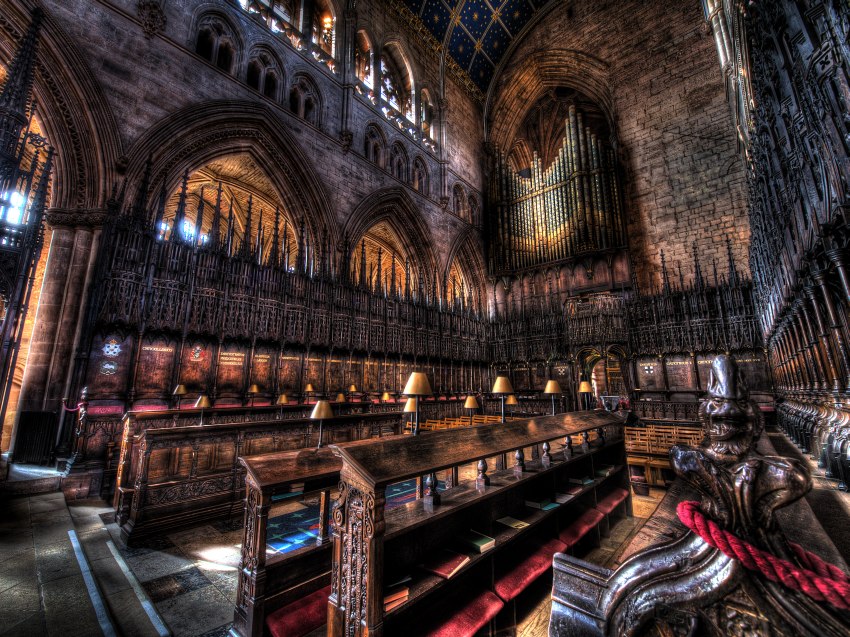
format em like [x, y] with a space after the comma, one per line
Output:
[76, 217]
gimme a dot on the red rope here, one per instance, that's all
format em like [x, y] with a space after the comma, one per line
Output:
[820, 581]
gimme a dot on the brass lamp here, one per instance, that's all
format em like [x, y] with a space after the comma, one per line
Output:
[417, 385]
[202, 403]
[502, 387]
[553, 388]
[321, 411]
[352, 389]
[385, 398]
[179, 391]
[282, 400]
[511, 402]
[340, 397]
[584, 388]
[253, 390]
[307, 391]
[471, 404]
[410, 408]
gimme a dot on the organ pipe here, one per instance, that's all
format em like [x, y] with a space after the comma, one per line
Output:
[570, 209]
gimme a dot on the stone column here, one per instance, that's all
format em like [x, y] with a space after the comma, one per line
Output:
[61, 308]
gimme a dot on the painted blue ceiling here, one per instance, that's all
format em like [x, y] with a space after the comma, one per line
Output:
[476, 33]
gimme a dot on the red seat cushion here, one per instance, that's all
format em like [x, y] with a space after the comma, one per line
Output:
[610, 501]
[579, 528]
[469, 618]
[515, 580]
[301, 617]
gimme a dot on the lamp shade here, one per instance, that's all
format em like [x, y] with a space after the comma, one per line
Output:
[470, 403]
[203, 402]
[386, 396]
[340, 397]
[552, 387]
[417, 385]
[511, 400]
[410, 406]
[584, 387]
[180, 390]
[322, 410]
[309, 388]
[254, 389]
[503, 385]
[352, 388]
[283, 399]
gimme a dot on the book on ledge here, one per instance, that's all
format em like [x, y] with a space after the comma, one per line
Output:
[392, 595]
[586, 480]
[573, 490]
[563, 498]
[477, 541]
[543, 505]
[604, 470]
[512, 522]
[446, 563]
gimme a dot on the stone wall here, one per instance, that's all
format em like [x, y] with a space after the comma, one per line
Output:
[653, 67]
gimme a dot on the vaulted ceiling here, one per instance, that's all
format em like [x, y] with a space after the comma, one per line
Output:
[476, 33]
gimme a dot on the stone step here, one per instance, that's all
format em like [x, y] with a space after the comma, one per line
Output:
[132, 612]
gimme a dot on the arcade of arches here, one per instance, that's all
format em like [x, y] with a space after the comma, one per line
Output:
[235, 231]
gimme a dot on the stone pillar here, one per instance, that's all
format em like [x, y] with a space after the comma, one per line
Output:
[61, 309]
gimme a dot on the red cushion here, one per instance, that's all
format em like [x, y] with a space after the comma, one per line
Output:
[579, 528]
[610, 501]
[301, 617]
[517, 579]
[469, 618]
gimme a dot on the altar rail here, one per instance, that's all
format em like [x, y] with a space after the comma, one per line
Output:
[171, 477]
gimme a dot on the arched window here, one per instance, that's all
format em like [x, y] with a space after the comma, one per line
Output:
[373, 146]
[426, 115]
[262, 75]
[363, 58]
[305, 101]
[420, 176]
[215, 42]
[459, 202]
[323, 27]
[398, 162]
[397, 81]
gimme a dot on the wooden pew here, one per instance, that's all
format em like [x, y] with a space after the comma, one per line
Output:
[179, 476]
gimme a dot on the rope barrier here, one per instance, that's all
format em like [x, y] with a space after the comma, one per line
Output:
[821, 581]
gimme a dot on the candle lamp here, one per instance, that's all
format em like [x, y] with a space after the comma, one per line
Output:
[511, 402]
[282, 400]
[202, 403]
[253, 390]
[471, 404]
[307, 391]
[502, 388]
[385, 398]
[179, 391]
[417, 385]
[554, 389]
[410, 408]
[584, 388]
[340, 397]
[321, 411]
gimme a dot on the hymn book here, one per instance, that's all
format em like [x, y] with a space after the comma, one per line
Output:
[512, 522]
[477, 541]
[446, 563]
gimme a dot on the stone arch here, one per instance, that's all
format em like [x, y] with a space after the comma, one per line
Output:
[191, 137]
[269, 65]
[396, 208]
[521, 85]
[399, 165]
[208, 12]
[73, 111]
[466, 252]
[375, 145]
[305, 100]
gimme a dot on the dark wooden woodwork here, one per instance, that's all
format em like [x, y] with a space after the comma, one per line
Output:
[269, 583]
[372, 546]
[178, 476]
[685, 586]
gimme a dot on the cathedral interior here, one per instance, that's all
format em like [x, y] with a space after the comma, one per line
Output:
[370, 318]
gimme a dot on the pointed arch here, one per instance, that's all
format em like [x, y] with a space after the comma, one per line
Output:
[71, 107]
[466, 254]
[191, 137]
[396, 208]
